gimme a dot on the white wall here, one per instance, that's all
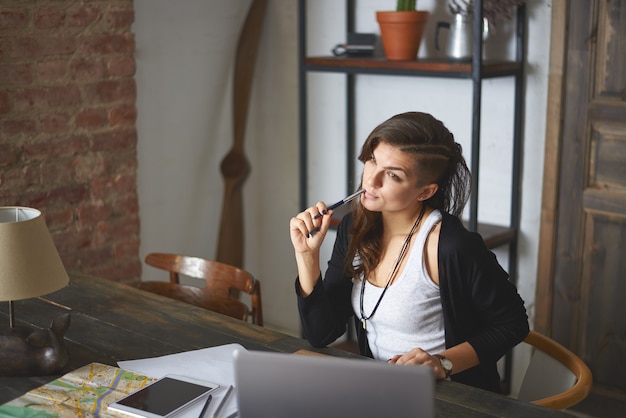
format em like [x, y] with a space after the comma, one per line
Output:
[185, 59]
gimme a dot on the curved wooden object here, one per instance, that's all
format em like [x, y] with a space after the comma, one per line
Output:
[235, 166]
[581, 388]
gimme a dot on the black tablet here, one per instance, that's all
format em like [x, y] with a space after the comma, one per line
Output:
[164, 397]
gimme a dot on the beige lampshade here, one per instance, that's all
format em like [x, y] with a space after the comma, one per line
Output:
[30, 265]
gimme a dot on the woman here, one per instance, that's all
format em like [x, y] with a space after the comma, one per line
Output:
[422, 288]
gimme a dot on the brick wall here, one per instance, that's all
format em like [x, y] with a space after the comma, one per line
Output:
[68, 138]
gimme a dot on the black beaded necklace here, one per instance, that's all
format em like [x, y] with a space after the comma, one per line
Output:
[394, 271]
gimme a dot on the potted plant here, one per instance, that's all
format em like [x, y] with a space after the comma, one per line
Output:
[401, 30]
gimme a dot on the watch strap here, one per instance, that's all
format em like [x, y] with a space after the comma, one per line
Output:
[446, 364]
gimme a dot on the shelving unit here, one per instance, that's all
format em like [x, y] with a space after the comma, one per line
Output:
[475, 71]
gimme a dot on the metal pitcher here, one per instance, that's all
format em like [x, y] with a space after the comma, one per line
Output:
[461, 35]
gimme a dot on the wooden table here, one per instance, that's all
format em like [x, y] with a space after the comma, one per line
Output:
[112, 322]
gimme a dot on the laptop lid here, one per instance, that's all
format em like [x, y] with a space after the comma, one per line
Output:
[280, 385]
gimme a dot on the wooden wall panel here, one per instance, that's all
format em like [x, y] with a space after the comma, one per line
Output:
[603, 309]
[608, 153]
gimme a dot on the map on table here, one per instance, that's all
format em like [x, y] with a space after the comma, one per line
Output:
[83, 392]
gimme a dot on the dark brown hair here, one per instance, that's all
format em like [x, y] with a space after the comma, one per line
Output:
[438, 159]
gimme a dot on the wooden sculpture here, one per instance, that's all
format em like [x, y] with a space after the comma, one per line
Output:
[235, 166]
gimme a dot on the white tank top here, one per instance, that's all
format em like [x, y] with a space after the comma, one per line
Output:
[410, 313]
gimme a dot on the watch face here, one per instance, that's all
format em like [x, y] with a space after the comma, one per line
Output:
[446, 364]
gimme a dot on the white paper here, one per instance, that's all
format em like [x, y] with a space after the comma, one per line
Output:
[214, 364]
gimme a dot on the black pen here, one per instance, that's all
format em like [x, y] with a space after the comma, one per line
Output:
[206, 406]
[221, 405]
[341, 202]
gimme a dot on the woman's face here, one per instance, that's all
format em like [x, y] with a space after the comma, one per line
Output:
[390, 182]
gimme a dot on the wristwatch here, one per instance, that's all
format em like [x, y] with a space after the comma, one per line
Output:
[446, 364]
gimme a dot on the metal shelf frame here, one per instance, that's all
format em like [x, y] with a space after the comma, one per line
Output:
[475, 70]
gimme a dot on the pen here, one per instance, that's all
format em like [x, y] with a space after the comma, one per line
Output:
[341, 202]
[206, 406]
[223, 401]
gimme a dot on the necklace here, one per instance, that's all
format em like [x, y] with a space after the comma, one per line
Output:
[392, 274]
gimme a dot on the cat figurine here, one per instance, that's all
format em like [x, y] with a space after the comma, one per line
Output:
[28, 351]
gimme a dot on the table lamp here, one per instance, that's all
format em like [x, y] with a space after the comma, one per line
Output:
[30, 266]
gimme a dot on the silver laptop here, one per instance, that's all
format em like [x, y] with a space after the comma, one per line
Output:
[279, 385]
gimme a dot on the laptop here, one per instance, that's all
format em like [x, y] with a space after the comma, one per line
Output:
[280, 385]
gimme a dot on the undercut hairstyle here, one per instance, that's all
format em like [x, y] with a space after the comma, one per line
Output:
[438, 159]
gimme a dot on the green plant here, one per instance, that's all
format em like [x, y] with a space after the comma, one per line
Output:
[406, 5]
[493, 10]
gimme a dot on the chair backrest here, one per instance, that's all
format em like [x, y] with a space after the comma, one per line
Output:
[220, 293]
[556, 378]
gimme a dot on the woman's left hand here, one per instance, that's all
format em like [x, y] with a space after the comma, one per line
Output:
[417, 356]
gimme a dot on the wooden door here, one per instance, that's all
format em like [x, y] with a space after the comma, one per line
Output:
[581, 297]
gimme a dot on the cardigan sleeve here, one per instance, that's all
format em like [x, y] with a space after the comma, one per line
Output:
[325, 312]
[481, 305]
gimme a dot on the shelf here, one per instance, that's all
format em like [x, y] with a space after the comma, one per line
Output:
[422, 67]
[496, 236]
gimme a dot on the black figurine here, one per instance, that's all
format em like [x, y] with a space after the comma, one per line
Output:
[26, 351]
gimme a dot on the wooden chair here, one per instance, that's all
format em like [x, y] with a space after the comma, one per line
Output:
[556, 378]
[221, 289]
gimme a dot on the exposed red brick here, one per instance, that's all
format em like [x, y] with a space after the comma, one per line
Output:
[54, 148]
[52, 70]
[121, 67]
[72, 240]
[15, 74]
[91, 213]
[63, 195]
[120, 18]
[107, 44]
[67, 127]
[9, 154]
[127, 246]
[42, 46]
[115, 140]
[87, 69]
[17, 127]
[127, 205]
[5, 104]
[39, 98]
[117, 185]
[49, 18]
[57, 172]
[101, 233]
[126, 271]
[125, 163]
[94, 259]
[13, 18]
[89, 166]
[112, 91]
[20, 178]
[122, 115]
[54, 122]
[59, 219]
[82, 17]
[91, 118]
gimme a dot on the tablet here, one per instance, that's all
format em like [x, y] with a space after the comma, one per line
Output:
[164, 397]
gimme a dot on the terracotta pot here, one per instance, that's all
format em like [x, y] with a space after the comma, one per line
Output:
[401, 33]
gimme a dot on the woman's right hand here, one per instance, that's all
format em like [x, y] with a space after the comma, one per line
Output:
[307, 232]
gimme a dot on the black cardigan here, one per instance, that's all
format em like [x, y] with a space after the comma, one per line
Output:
[480, 305]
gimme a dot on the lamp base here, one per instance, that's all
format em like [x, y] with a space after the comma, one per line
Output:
[26, 351]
